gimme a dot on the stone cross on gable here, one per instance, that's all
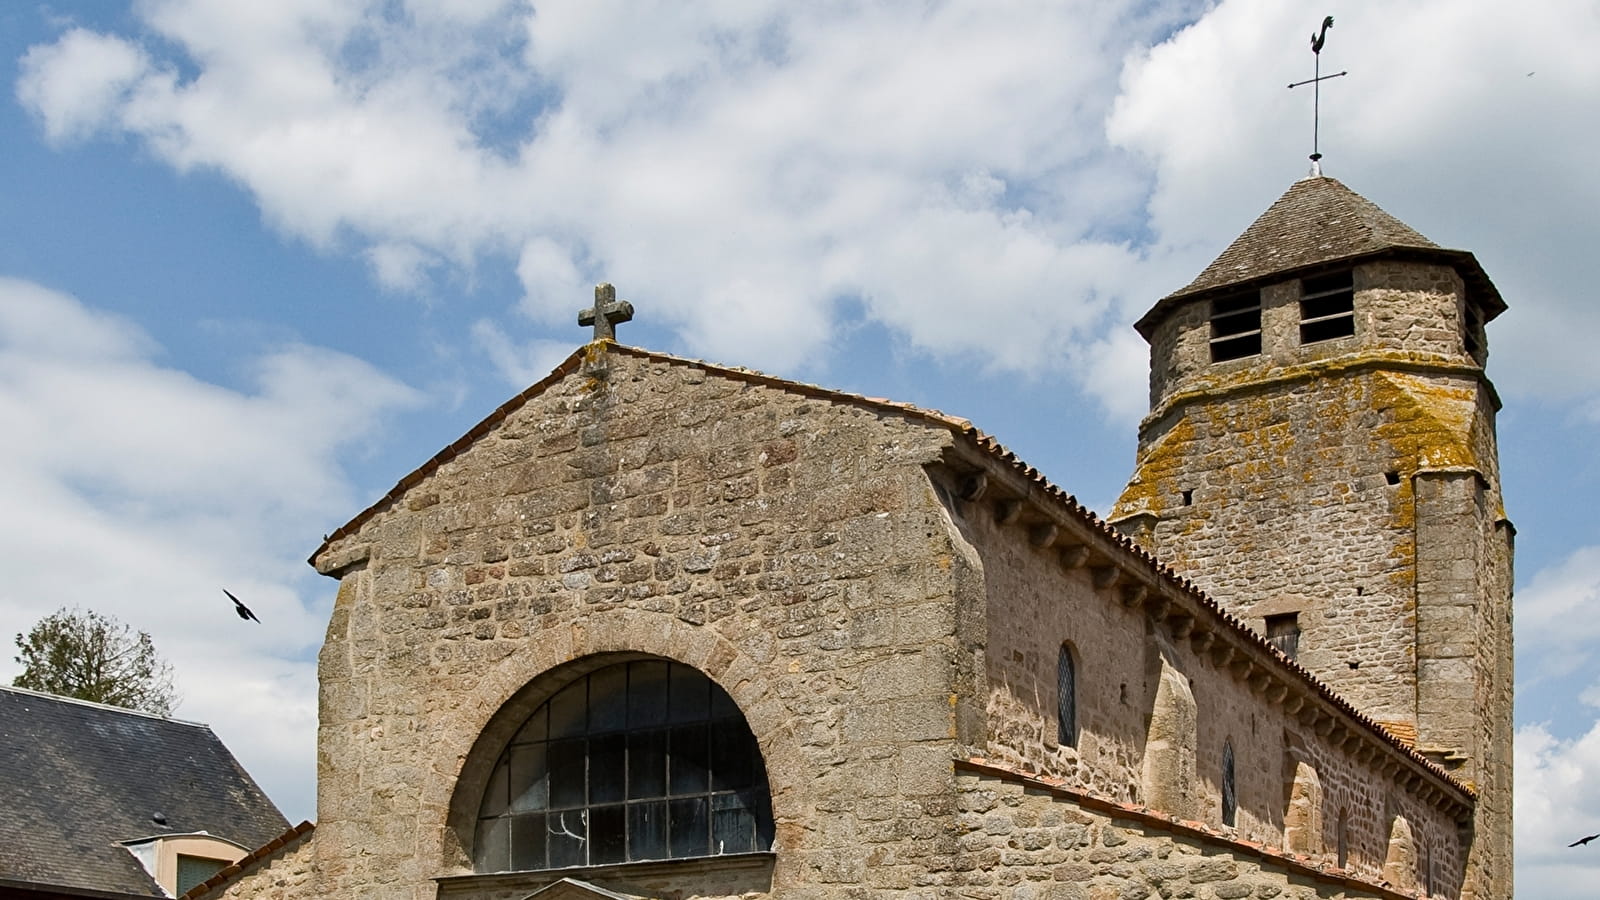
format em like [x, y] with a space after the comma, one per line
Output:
[606, 313]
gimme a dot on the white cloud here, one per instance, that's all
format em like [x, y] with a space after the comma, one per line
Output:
[76, 85]
[520, 366]
[1558, 618]
[1557, 801]
[147, 491]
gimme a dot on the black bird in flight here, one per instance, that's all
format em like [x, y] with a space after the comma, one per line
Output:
[1317, 40]
[243, 611]
[1583, 840]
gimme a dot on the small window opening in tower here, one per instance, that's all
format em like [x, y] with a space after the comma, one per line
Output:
[1236, 326]
[1188, 498]
[1283, 632]
[1472, 336]
[1327, 307]
[1392, 477]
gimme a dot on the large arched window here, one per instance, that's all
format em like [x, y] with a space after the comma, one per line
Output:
[636, 761]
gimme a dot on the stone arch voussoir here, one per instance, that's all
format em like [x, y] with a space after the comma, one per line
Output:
[508, 690]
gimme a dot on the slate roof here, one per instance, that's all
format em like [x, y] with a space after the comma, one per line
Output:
[1318, 222]
[76, 778]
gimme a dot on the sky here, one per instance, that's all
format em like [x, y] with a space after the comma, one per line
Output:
[260, 260]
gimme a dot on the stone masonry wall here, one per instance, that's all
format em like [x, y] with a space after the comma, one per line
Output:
[787, 546]
[1410, 309]
[283, 877]
[1036, 605]
[1019, 840]
[1309, 479]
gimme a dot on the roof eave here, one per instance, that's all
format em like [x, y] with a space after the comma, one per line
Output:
[1465, 263]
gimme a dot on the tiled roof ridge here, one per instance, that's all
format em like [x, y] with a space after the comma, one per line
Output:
[1303, 865]
[109, 707]
[228, 873]
[962, 427]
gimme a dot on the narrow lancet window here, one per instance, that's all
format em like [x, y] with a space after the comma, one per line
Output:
[1230, 796]
[1236, 326]
[1066, 699]
[1327, 307]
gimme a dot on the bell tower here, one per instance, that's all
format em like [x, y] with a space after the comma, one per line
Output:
[1320, 458]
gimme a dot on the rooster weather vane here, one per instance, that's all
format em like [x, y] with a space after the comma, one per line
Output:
[1317, 40]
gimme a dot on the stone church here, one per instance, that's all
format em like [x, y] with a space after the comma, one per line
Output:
[663, 628]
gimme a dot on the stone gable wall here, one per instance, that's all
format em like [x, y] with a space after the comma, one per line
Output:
[283, 877]
[787, 546]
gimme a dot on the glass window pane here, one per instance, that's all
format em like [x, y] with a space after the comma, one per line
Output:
[647, 765]
[607, 772]
[607, 836]
[688, 827]
[608, 700]
[722, 705]
[566, 709]
[498, 793]
[759, 801]
[527, 842]
[689, 695]
[733, 825]
[536, 729]
[493, 845]
[647, 830]
[733, 753]
[568, 835]
[566, 774]
[647, 694]
[686, 761]
[527, 778]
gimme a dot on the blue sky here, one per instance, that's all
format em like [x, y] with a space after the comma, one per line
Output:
[257, 261]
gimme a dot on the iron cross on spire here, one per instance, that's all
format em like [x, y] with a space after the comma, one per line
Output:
[1317, 40]
[607, 313]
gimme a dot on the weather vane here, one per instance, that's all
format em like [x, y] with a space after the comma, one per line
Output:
[1317, 40]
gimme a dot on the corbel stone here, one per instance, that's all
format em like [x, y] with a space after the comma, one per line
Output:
[1292, 701]
[974, 486]
[1202, 640]
[1007, 511]
[1106, 576]
[1043, 535]
[1155, 606]
[1242, 667]
[1181, 624]
[1075, 556]
[1261, 681]
[1221, 654]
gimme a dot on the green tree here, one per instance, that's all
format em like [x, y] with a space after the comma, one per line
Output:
[82, 654]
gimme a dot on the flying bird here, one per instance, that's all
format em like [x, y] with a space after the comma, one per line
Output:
[243, 611]
[1321, 37]
[1583, 840]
